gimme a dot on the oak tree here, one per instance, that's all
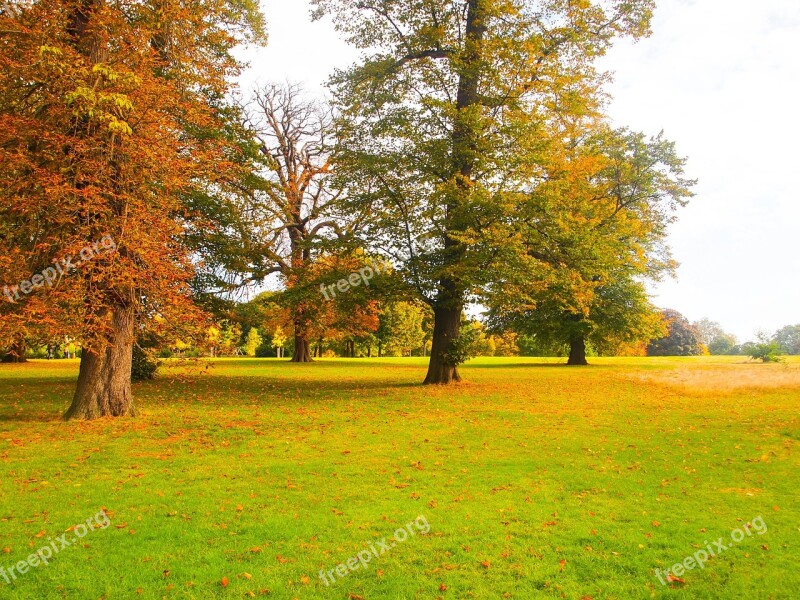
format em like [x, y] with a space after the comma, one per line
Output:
[441, 124]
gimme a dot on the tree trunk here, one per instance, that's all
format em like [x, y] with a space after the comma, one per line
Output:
[16, 354]
[446, 327]
[104, 381]
[577, 351]
[450, 302]
[302, 349]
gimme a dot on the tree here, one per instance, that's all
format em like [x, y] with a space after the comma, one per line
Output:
[722, 344]
[594, 230]
[788, 338]
[401, 328]
[279, 341]
[103, 109]
[709, 331]
[440, 125]
[682, 340]
[253, 342]
[298, 213]
[766, 349]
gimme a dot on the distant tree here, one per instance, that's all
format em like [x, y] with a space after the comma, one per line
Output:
[400, 328]
[709, 330]
[538, 346]
[505, 344]
[279, 341]
[299, 214]
[682, 340]
[253, 342]
[596, 232]
[722, 344]
[619, 312]
[788, 338]
[766, 349]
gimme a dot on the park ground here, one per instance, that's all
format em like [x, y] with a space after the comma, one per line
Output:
[245, 478]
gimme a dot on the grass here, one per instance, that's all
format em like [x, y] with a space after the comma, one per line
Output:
[247, 478]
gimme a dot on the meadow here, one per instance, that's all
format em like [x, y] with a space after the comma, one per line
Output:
[246, 478]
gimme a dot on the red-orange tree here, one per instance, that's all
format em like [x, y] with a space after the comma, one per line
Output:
[105, 107]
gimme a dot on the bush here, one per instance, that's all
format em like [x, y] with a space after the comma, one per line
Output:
[265, 349]
[766, 352]
[144, 365]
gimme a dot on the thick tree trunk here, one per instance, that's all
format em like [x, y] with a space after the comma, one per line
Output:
[302, 349]
[446, 328]
[16, 354]
[577, 351]
[449, 305]
[104, 381]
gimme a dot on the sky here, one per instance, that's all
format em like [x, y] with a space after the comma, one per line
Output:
[723, 82]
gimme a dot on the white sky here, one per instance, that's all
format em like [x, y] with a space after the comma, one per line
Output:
[722, 78]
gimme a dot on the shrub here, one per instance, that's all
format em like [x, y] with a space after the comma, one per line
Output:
[766, 352]
[144, 365]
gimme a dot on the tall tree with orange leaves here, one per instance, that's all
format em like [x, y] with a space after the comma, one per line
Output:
[105, 109]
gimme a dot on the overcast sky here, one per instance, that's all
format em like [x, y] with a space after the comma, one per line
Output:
[722, 79]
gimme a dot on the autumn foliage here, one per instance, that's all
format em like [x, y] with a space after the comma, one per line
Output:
[103, 111]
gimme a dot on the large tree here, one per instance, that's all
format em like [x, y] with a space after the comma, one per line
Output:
[594, 230]
[788, 338]
[104, 110]
[682, 338]
[297, 215]
[709, 330]
[442, 120]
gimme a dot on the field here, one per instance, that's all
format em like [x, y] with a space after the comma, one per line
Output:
[246, 478]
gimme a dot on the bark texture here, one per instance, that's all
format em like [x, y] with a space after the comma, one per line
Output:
[302, 349]
[104, 381]
[446, 328]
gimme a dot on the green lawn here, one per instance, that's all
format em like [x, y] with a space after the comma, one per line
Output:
[247, 478]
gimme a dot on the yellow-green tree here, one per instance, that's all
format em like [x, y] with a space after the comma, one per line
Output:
[442, 128]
